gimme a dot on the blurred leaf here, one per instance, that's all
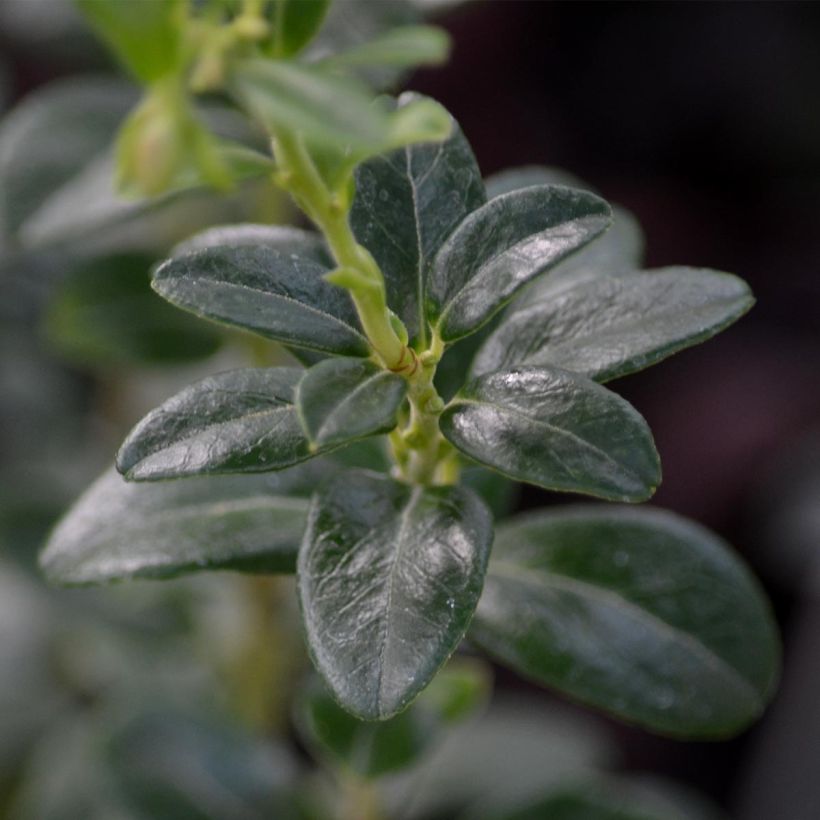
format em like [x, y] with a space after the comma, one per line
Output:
[407, 203]
[556, 429]
[528, 176]
[635, 611]
[105, 313]
[295, 24]
[388, 579]
[118, 529]
[343, 399]
[372, 749]
[274, 293]
[405, 46]
[501, 247]
[611, 326]
[497, 491]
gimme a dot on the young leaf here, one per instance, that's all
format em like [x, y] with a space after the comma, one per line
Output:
[295, 23]
[274, 293]
[555, 429]
[403, 47]
[610, 326]
[119, 530]
[637, 612]
[501, 247]
[343, 399]
[407, 203]
[104, 313]
[145, 36]
[389, 576]
[374, 749]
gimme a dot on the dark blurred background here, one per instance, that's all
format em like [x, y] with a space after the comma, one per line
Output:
[703, 119]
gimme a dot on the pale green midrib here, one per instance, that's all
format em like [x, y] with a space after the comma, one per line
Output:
[541, 578]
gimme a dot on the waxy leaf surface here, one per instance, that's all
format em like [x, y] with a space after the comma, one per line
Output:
[504, 245]
[120, 530]
[634, 611]
[556, 429]
[344, 399]
[610, 326]
[407, 203]
[273, 293]
[389, 576]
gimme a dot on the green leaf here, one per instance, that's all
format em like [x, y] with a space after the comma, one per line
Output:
[51, 136]
[638, 612]
[495, 490]
[501, 247]
[344, 399]
[105, 313]
[119, 530]
[274, 293]
[407, 203]
[388, 578]
[555, 429]
[326, 109]
[403, 47]
[371, 749]
[145, 36]
[241, 421]
[610, 326]
[295, 24]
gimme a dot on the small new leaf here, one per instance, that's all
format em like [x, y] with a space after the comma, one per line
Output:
[610, 326]
[388, 577]
[556, 429]
[634, 611]
[344, 399]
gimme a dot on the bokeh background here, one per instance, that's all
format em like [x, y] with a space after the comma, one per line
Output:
[700, 118]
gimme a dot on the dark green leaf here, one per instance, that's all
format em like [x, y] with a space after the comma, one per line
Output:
[497, 491]
[274, 293]
[407, 203]
[326, 109]
[295, 23]
[504, 245]
[406, 46]
[372, 748]
[389, 576]
[527, 176]
[635, 611]
[105, 313]
[344, 399]
[119, 530]
[610, 326]
[555, 429]
[242, 421]
[51, 136]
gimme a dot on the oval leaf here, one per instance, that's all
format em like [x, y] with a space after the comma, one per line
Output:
[555, 429]
[403, 47]
[638, 612]
[407, 203]
[504, 245]
[273, 293]
[343, 399]
[389, 576]
[296, 22]
[119, 530]
[614, 325]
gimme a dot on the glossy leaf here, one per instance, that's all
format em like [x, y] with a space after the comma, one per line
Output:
[241, 421]
[51, 136]
[104, 312]
[273, 293]
[372, 749]
[407, 203]
[389, 576]
[556, 429]
[145, 36]
[610, 326]
[634, 611]
[405, 46]
[344, 399]
[503, 246]
[119, 530]
[295, 23]
[328, 110]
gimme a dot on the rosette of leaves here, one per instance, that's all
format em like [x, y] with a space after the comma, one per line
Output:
[638, 613]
